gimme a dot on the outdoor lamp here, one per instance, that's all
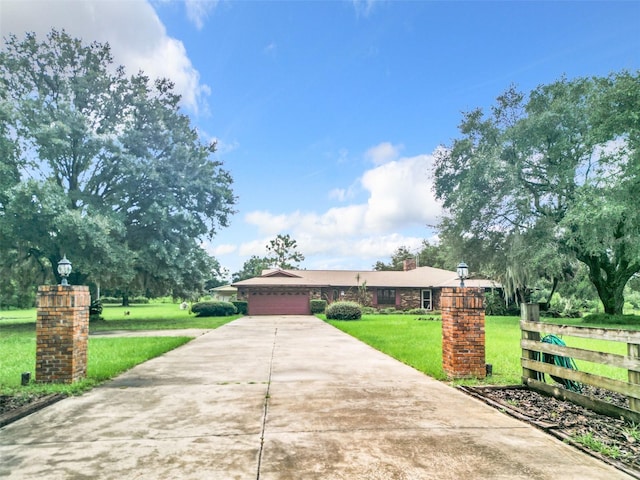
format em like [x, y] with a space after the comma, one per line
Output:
[64, 269]
[463, 272]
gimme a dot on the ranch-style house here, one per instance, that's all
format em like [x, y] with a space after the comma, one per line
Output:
[289, 292]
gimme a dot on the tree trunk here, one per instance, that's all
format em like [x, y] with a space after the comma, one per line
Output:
[125, 299]
[553, 290]
[609, 282]
[612, 298]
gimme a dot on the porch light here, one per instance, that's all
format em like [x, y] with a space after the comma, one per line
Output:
[463, 272]
[64, 269]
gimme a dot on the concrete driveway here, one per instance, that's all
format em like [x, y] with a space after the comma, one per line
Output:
[281, 398]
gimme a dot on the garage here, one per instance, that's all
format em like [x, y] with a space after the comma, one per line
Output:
[279, 303]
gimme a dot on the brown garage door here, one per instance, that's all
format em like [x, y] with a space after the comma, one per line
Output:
[277, 303]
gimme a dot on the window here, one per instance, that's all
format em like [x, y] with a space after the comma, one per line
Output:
[386, 296]
[426, 300]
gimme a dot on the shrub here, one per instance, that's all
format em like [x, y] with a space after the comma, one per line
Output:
[494, 304]
[605, 318]
[417, 311]
[344, 311]
[241, 307]
[318, 306]
[111, 300]
[213, 309]
[388, 311]
[138, 300]
[95, 310]
[369, 311]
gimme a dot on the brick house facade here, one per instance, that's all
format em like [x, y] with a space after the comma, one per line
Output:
[290, 291]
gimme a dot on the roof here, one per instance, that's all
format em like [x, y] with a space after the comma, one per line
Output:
[420, 277]
[224, 289]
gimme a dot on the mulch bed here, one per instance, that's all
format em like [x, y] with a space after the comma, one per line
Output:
[566, 420]
[14, 407]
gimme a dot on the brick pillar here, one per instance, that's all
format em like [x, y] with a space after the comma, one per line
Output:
[463, 332]
[62, 332]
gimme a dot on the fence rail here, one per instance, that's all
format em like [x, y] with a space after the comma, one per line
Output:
[533, 367]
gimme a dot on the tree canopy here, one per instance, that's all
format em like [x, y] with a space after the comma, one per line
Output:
[103, 167]
[545, 180]
[428, 256]
[281, 253]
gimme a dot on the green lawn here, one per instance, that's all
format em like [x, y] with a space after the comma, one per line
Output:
[418, 343]
[107, 357]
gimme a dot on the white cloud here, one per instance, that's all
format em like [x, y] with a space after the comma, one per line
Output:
[383, 153]
[400, 198]
[198, 11]
[364, 7]
[224, 249]
[400, 194]
[137, 37]
[271, 49]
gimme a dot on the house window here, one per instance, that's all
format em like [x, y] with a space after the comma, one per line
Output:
[426, 300]
[386, 296]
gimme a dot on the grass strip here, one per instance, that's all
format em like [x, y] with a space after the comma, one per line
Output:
[106, 358]
[417, 341]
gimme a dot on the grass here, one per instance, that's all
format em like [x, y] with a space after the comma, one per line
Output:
[592, 443]
[418, 343]
[107, 357]
[161, 316]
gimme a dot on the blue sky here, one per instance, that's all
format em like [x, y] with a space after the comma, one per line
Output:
[327, 113]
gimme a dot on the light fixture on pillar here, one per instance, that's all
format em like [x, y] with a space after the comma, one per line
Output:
[64, 269]
[463, 272]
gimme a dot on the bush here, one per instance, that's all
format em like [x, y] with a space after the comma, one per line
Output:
[605, 318]
[95, 310]
[138, 300]
[241, 307]
[318, 306]
[344, 311]
[213, 309]
[417, 311]
[388, 311]
[494, 304]
[369, 311]
[111, 300]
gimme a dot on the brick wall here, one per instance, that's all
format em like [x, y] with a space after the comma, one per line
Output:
[463, 339]
[62, 332]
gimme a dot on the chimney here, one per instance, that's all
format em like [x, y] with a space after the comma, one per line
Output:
[409, 264]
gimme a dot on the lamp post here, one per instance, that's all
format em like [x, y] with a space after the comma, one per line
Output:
[64, 269]
[463, 272]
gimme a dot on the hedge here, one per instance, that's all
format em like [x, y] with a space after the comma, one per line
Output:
[213, 309]
[241, 307]
[318, 306]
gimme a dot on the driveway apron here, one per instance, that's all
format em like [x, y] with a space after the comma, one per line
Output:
[281, 397]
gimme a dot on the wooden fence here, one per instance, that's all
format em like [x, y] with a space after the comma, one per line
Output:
[533, 367]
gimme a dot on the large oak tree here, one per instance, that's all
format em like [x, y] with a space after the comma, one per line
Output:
[543, 181]
[111, 172]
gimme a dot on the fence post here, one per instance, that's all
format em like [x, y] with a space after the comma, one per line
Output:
[530, 312]
[633, 350]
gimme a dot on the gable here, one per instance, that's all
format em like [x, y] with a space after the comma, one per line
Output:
[279, 274]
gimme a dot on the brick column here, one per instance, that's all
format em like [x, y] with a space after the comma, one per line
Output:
[62, 332]
[463, 332]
